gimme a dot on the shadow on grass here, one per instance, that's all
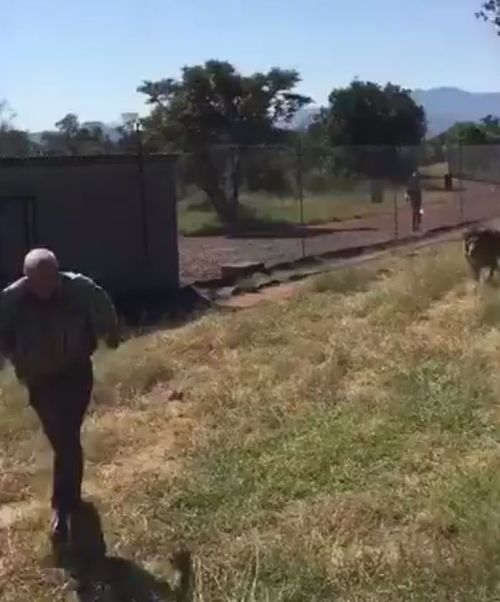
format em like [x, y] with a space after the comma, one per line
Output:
[272, 228]
[99, 578]
[277, 230]
[145, 311]
[251, 225]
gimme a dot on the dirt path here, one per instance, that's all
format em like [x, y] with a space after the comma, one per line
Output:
[201, 257]
[284, 292]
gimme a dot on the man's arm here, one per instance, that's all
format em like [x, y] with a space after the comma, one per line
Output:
[104, 317]
[102, 313]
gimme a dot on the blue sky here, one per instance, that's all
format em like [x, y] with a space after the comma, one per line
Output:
[88, 56]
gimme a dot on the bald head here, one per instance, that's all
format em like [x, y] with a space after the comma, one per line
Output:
[39, 258]
[41, 269]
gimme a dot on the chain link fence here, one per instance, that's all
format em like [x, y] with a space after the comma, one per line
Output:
[272, 205]
[475, 162]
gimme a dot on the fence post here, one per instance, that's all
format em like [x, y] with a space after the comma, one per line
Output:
[396, 216]
[235, 181]
[142, 193]
[460, 183]
[300, 187]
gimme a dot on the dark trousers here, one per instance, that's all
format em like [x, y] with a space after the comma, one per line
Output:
[416, 208]
[416, 217]
[61, 400]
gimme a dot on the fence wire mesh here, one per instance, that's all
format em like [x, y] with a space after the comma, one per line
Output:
[275, 205]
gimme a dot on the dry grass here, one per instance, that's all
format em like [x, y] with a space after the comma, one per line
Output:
[343, 445]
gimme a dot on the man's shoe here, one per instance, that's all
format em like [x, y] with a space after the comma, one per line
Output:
[59, 528]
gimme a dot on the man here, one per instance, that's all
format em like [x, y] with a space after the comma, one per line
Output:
[50, 322]
[414, 196]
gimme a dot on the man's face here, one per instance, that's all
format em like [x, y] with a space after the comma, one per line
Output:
[44, 280]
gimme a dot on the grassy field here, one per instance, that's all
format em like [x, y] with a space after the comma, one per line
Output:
[340, 446]
[260, 210]
[196, 215]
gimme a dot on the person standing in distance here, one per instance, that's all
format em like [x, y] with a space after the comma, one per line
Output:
[50, 324]
[414, 196]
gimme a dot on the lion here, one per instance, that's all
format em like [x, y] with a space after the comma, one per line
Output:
[482, 249]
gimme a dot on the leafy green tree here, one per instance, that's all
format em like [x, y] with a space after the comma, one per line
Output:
[490, 11]
[471, 133]
[370, 125]
[129, 133]
[13, 142]
[320, 159]
[65, 140]
[213, 104]
[53, 143]
[466, 145]
[69, 125]
[365, 113]
[69, 128]
[91, 140]
[75, 139]
[491, 123]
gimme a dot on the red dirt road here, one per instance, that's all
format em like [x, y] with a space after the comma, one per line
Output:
[201, 257]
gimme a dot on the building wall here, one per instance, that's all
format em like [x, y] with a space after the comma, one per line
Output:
[90, 212]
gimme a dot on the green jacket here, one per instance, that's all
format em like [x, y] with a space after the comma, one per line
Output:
[44, 337]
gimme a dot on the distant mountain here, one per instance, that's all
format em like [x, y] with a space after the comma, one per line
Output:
[446, 106]
[443, 107]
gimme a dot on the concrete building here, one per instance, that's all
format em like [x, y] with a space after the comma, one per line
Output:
[112, 217]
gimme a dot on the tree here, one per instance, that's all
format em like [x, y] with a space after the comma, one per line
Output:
[470, 133]
[69, 127]
[53, 143]
[466, 146]
[320, 163]
[487, 131]
[12, 141]
[74, 138]
[316, 143]
[129, 133]
[371, 124]
[491, 123]
[7, 115]
[213, 104]
[490, 11]
[367, 114]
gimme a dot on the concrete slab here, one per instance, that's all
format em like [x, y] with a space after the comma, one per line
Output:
[240, 269]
